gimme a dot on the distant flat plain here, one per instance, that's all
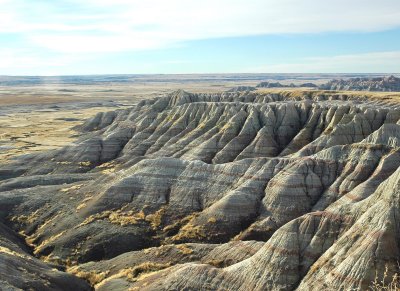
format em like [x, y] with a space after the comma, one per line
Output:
[39, 113]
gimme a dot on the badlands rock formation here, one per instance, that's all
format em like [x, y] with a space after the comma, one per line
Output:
[230, 191]
[308, 85]
[389, 84]
[279, 85]
[270, 85]
[242, 89]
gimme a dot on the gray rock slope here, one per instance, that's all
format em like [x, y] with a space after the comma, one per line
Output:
[231, 191]
[389, 84]
[241, 89]
[19, 270]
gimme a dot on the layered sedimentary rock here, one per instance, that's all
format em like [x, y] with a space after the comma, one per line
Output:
[267, 84]
[308, 85]
[242, 89]
[19, 270]
[230, 191]
[388, 84]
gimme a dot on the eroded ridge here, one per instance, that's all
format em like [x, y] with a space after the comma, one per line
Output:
[238, 190]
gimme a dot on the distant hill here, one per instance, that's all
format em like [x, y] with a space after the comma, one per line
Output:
[270, 85]
[242, 89]
[279, 85]
[310, 85]
[388, 84]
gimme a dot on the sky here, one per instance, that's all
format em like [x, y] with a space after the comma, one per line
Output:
[75, 37]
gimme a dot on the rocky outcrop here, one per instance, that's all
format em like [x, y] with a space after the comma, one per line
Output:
[388, 84]
[133, 264]
[19, 270]
[267, 84]
[308, 85]
[230, 191]
[241, 89]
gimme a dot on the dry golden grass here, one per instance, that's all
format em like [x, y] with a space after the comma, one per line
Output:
[94, 217]
[67, 262]
[106, 165]
[80, 206]
[122, 218]
[131, 274]
[10, 252]
[158, 251]
[108, 171]
[155, 219]
[27, 219]
[44, 243]
[386, 284]
[72, 188]
[92, 277]
[107, 168]
[184, 249]
[83, 203]
[64, 163]
[216, 263]
[43, 226]
[85, 164]
[212, 220]
[179, 223]
[190, 231]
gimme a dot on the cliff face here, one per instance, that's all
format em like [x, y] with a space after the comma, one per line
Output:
[388, 84]
[232, 191]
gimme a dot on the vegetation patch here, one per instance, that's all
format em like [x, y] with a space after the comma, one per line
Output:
[10, 252]
[184, 249]
[386, 284]
[85, 163]
[212, 220]
[83, 203]
[120, 217]
[216, 263]
[44, 243]
[72, 188]
[155, 219]
[132, 274]
[190, 231]
[92, 277]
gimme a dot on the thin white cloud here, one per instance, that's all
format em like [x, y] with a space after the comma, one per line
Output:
[122, 25]
[377, 62]
[61, 34]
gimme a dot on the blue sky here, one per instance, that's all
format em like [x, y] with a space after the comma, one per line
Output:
[64, 37]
